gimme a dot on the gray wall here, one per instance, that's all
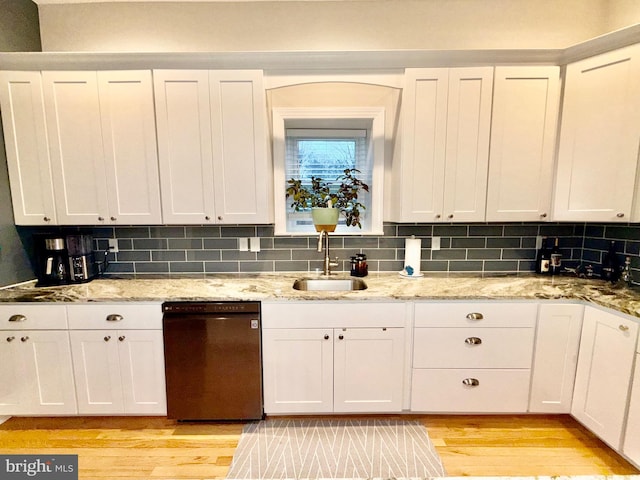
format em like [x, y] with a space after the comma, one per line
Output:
[19, 32]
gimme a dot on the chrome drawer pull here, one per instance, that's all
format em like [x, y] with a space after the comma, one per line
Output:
[11, 339]
[473, 341]
[471, 382]
[17, 318]
[624, 328]
[475, 316]
[114, 318]
[107, 338]
[24, 339]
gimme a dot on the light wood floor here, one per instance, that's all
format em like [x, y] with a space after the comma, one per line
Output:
[160, 449]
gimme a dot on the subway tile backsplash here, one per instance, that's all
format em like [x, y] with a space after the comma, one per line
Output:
[484, 248]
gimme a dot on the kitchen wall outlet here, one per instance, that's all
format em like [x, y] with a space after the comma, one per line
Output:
[255, 244]
[435, 243]
[113, 245]
[243, 244]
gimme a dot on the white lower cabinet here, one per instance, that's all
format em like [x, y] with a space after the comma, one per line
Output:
[118, 359]
[472, 357]
[603, 376]
[555, 358]
[631, 446]
[311, 364]
[36, 377]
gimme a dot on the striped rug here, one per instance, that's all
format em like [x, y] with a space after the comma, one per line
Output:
[335, 448]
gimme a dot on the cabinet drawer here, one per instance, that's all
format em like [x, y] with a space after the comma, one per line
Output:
[333, 314]
[498, 391]
[33, 317]
[472, 347]
[485, 314]
[115, 316]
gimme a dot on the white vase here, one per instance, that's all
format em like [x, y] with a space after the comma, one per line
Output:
[325, 218]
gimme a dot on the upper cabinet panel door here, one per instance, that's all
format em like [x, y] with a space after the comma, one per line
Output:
[241, 168]
[467, 152]
[424, 120]
[75, 140]
[129, 133]
[523, 135]
[25, 133]
[183, 121]
[599, 138]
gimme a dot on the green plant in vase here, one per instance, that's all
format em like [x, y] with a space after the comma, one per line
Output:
[327, 200]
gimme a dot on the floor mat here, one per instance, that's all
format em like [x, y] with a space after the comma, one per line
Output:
[335, 448]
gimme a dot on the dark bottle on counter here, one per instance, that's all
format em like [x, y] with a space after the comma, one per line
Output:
[543, 258]
[610, 265]
[555, 259]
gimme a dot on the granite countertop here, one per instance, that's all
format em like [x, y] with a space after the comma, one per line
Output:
[381, 287]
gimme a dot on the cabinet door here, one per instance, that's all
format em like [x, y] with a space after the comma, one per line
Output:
[298, 370]
[13, 375]
[598, 149]
[607, 349]
[555, 358]
[424, 139]
[25, 133]
[241, 169]
[97, 371]
[467, 151]
[368, 369]
[129, 132]
[47, 356]
[72, 110]
[183, 121]
[631, 446]
[142, 370]
[523, 136]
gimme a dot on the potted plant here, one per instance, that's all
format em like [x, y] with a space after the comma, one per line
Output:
[327, 200]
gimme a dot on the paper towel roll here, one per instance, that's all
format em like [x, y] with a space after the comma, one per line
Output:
[412, 252]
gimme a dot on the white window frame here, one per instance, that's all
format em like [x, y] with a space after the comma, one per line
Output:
[334, 117]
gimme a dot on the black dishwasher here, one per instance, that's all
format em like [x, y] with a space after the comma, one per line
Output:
[213, 360]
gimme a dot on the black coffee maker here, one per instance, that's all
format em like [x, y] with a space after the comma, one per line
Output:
[64, 259]
[53, 260]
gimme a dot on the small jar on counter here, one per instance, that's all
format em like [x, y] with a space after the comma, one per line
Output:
[361, 267]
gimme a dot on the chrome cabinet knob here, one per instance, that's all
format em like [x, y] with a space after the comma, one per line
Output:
[114, 318]
[121, 338]
[450, 216]
[11, 339]
[438, 216]
[107, 338]
[475, 316]
[207, 218]
[46, 219]
[101, 219]
[543, 215]
[326, 337]
[220, 217]
[17, 318]
[113, 219]
[620, 215]
[624, 328]
[24, 339]
[473, 341]
[341, 337]
[471, 382]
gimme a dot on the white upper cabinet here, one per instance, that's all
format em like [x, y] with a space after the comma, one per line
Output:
[25, 134]
[599, 138]
[102, 147]
[212, 146]
[445, 145]
[129, 137]
[523, 135]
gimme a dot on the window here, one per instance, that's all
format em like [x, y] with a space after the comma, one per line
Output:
[308, 143]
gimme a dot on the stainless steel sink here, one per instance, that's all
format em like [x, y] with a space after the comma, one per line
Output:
[329, 284]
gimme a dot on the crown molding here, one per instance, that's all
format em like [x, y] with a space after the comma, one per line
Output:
[314, 61]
